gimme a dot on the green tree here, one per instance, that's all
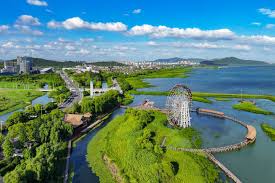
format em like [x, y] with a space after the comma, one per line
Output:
[17, 117]
[8, 148]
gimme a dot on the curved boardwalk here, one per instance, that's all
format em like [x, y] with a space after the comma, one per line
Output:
[249, 138]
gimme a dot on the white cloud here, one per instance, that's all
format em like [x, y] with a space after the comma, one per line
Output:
[152, 43]
[4, 28]
[258, 39]
[241, 47]
[136, 11]
[10, 45]
[27, 30]
[86, 40]
[256, 23]
[78, 23]
[265, 11]
[28, 20]
[194, 33]
[49, 11]
[270, 26]
[37, 2]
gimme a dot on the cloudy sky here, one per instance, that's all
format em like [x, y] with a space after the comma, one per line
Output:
[137, 29]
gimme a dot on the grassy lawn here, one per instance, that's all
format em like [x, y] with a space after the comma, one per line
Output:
[131, 145]
[250, 107]
[11, 100]
[268, 130]
[17, 85]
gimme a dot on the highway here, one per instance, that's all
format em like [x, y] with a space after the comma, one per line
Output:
[76, 95]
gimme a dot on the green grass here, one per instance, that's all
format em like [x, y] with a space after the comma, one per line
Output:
[228, 95]
[250, 107]
[128, 99]
[17, 85]
[222, 99]
[201, 99]
[270, 132]
[120, 142]
[137, 81]
[11, 100]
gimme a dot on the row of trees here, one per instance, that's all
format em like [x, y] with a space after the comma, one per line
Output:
[84, 79]
[60, 94]
[99, 104]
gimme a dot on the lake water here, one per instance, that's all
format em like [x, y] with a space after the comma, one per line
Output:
[40, 100]
[253, 164]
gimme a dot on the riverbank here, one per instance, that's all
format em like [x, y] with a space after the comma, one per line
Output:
[132, 143]
[12, 100]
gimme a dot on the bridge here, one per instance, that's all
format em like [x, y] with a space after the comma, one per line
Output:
[103, 90]
[45, 90]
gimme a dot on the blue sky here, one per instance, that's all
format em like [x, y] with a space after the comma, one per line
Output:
[138, 29]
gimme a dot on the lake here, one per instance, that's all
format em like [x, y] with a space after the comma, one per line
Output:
[252, 164]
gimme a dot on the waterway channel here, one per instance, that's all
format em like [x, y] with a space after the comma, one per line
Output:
[252, 164]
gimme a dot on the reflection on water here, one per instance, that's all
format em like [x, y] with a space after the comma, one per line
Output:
[82, 172]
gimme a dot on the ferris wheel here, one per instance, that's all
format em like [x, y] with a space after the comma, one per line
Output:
[178, 105]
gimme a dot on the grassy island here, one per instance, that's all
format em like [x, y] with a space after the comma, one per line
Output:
[11, 100]
[128, 150]
[251, 107]
[136, 80]
[268, 130]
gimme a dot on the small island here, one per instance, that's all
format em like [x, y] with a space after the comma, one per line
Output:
[129, 149]
[251, 107]
[269, 130]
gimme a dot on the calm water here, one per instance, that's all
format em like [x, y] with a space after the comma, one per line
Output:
[82, 172]
[255, 163]
[40, 100]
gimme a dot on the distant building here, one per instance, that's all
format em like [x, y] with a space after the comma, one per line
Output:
[46, 70]
[24, 65]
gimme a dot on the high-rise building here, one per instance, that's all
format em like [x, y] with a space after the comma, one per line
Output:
[24, 65]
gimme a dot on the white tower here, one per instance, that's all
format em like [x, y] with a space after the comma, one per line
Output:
[91, 89]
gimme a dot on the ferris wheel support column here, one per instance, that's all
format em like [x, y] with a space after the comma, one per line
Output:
[185, 115]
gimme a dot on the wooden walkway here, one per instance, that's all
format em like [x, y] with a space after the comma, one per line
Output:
[223, 168]
[249, 138]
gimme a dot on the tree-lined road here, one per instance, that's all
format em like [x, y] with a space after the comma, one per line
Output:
[76, 95]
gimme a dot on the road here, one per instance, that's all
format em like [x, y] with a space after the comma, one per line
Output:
[76, 93]
[76, 96]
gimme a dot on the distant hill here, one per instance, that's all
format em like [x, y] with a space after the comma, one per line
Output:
[177, 59]
[233, 61]
[107, 64]
[41, 63]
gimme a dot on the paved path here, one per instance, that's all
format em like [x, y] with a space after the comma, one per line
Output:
[76, 93]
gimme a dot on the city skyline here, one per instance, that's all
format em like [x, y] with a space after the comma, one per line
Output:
[137, 30]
